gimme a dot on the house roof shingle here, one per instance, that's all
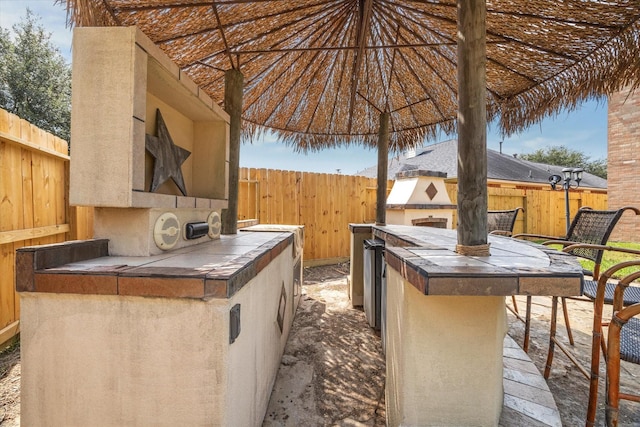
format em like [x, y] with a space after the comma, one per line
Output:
[442, 157]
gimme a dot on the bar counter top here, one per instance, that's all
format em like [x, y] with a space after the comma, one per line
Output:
[426, 258]
[214, 269]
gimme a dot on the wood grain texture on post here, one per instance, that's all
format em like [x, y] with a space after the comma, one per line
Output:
[233, 106]
[472, 123]
[383, 161]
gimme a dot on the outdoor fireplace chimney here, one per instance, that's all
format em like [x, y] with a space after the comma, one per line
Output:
[419, 197]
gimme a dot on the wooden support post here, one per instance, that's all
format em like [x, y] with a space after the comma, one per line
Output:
[383, 161]
[472, 125]
[233, 84]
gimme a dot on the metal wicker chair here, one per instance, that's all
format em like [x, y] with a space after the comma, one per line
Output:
[623, 342]
[502, 222]
[587, 236]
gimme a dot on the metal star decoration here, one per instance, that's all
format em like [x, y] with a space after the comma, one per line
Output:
[168, 157]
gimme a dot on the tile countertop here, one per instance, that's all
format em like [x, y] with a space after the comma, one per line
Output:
[214, 269]
[426, 257]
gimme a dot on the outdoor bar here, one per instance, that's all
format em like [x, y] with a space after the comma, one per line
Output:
[446, 319]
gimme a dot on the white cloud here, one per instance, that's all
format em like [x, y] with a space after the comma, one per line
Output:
[270, 138]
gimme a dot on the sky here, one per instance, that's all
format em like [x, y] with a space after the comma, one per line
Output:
[584, 129]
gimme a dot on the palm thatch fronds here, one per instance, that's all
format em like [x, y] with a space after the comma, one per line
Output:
[320, 72]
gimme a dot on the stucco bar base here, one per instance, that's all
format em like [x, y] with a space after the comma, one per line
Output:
[433, 344]
[129, 359]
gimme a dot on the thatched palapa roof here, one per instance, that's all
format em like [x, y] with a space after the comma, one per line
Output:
[320, 72]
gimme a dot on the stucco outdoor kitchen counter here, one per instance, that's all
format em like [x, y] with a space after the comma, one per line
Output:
[426, 258]
[215, 269]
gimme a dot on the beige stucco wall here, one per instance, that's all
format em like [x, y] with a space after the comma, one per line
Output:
[113, 361]
[395, 217]
[102, 118]
[91, 360]
[181, 129]
[130, 231]
[413, 190]
[404, 216]
[254, 358]
[444, 357]
[117, 87]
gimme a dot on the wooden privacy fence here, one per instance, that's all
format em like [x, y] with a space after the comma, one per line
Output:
[34, 207]
[326, 203]
[544, 208]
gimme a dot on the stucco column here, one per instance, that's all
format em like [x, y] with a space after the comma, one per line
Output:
[472, 124]
[444, 357]
[233, 84]
[383, 160]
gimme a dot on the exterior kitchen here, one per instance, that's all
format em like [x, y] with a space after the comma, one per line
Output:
[159, 311]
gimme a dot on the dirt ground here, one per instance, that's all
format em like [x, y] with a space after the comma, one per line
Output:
[332, 372]
[10, 386]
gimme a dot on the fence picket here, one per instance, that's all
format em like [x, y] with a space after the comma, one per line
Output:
[33, 203]
[34, 197]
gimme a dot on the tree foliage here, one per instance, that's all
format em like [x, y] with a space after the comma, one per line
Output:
[563, 156]
[35, 80]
